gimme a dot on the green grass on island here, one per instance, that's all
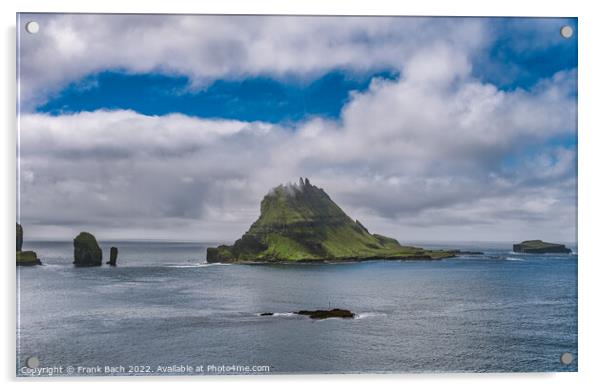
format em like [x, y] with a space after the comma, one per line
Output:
[27, 258]
[301, 223]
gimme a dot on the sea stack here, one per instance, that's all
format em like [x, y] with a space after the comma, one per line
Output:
[28, 257]
[539, 246]
[86, 252]
[19, 238]
[113, 256]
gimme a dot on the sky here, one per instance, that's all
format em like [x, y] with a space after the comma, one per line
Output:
[174, 127]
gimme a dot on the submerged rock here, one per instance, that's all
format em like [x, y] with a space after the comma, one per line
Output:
[86, 252]
[322, 314]
[113, 257]
[539, 246]
[462, 252]
[19, 238]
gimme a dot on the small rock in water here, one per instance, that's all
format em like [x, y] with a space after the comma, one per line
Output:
[113, 256]
[267, 314]
[322, 314]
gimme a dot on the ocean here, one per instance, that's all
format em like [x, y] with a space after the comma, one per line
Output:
[163, 311]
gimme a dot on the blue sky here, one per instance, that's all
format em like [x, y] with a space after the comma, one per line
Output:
[162, 126]
[526, 50]
[251, 99]
[516, 58]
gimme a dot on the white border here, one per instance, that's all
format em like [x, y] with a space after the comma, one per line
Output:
[590, 196]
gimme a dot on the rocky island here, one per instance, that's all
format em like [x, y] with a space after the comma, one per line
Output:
[539, 246]
[25, 258]
[86, 252]
[300, 223]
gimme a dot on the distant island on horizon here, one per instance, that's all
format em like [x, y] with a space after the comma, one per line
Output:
[539, 246]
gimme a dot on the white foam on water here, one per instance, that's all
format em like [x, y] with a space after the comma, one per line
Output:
[200, 265]
[289, 314]
[51, 266]
[514, 259]
[369, 315]
[284, 314]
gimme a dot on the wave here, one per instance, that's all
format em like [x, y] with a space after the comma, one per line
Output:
[46, 265]
[514, 259]
[200, 265]
[286, 314]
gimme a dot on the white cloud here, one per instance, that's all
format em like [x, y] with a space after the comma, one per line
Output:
[410, 158]
[125, 133]
[204, 48]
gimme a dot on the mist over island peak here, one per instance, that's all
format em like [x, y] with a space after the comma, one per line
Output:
[300, 222]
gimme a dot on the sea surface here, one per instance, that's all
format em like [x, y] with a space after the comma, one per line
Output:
[163, 311]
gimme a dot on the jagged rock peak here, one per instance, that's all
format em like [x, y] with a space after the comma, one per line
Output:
[303, 182]
[292, 188]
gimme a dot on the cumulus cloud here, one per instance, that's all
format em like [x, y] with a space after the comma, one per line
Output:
[435, 154]
[206, 48]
